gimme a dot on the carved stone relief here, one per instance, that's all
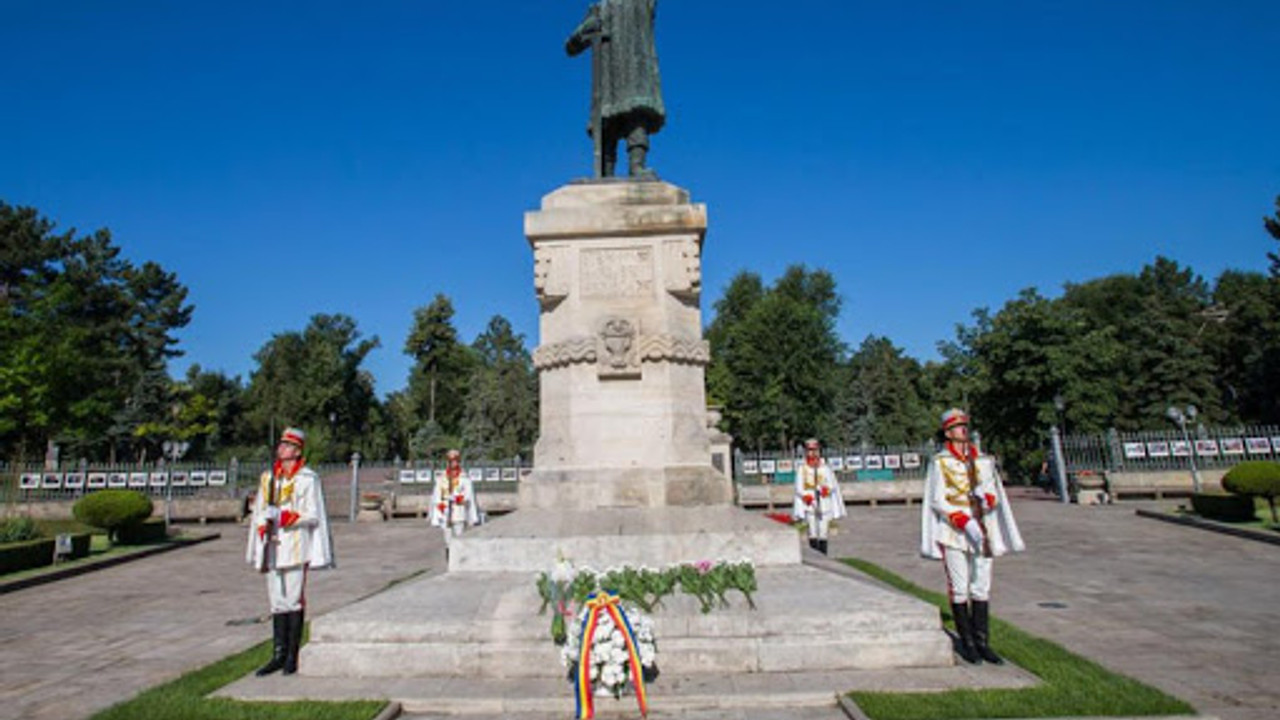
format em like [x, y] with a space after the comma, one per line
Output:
[616, 272]
[550, 275]
[682, 269]
[617, 356]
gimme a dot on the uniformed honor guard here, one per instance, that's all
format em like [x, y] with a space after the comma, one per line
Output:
[453, 506]
[966, 521]
[817, 498]
[288, 535]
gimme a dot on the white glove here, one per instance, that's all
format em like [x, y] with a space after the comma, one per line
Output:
[974, 532]
[271, 513]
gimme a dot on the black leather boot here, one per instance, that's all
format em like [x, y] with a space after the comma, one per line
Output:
[966, 648]
[813, 543]
[982, 633]
[822, 546]
[294, 642]
[279, 645]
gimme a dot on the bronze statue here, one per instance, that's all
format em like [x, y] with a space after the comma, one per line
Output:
[626, 93]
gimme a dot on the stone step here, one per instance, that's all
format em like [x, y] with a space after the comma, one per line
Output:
[672, 695]
[531, 539]
[486, 624]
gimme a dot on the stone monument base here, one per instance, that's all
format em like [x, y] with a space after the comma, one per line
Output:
[562, 489]
[529, 541]
[480, 620]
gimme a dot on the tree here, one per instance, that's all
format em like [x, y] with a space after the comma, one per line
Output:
[775, 357]
[437, 391]
[879, 400]
[80, 331]
[1024, 356]
[1272, 225]
[501, 418]
[314, 380]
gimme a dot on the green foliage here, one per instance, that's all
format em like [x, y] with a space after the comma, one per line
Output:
[1227, 508]
[775, 357]
[313, 379]
[79, 328]
[18, 529]
[112, 510]
[26, 554]
[501, 416]
[1255, 478]
[879, 400]
[645, 587]
[439, 381]
[1070, 685]
[147, 532]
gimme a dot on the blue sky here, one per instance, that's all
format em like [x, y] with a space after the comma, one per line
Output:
[292, 158]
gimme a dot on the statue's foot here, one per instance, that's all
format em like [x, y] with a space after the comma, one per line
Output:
[644, 174]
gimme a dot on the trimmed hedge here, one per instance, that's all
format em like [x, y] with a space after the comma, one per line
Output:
[1255, 478]
[144, 533]
[1227, 508]
[80, 543]
[26, 555]
[113, 510]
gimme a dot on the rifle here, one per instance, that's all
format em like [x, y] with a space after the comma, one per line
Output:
[269, 537]
[975, 503]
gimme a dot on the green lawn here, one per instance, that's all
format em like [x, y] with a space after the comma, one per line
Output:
[100, 549]
[185, 698]
[1072, 685]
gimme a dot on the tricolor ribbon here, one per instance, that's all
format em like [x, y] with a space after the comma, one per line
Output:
[607, 602]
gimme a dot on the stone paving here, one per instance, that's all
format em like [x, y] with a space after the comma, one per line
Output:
[1188, 611]
[76, 646]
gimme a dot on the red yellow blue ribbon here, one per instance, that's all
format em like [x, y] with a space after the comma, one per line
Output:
[607, 602]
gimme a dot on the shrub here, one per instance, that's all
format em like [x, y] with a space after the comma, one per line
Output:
[1228, 508]
[17, 529]
[112, 510]
[1255, 478]
[26, 554]
[143, 533]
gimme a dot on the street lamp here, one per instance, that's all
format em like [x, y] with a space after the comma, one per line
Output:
[1181, 417]
[1060, 458]
[173, 449]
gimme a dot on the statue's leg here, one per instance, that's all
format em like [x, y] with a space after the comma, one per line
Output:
[609, 147]
[638, 150]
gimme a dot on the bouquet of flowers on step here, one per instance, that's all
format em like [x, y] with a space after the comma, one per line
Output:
[610, 649]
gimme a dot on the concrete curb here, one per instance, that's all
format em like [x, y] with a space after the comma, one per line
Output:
[390, 711]
[54, 576]
[1270, 538]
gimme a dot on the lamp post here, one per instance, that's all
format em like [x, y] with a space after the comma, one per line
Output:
[1181, 417]
[1060, 460]
[355, 486]
[173, 449]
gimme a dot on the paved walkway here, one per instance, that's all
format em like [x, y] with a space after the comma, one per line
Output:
[1189, 611]
[73, 647]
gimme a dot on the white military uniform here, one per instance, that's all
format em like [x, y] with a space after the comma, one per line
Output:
[453, 504]
[301, 540]
[947, 509]
[817, 498]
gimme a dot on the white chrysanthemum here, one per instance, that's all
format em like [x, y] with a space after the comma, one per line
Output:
[563, 572]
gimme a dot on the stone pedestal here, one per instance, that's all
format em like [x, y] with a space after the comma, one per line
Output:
[617, 270]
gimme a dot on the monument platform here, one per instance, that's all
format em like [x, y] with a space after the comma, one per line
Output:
[480, 620]
[531, 540]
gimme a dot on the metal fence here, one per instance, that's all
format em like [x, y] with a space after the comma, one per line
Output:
[37, 483]
[1158, 450]
[860, 464]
